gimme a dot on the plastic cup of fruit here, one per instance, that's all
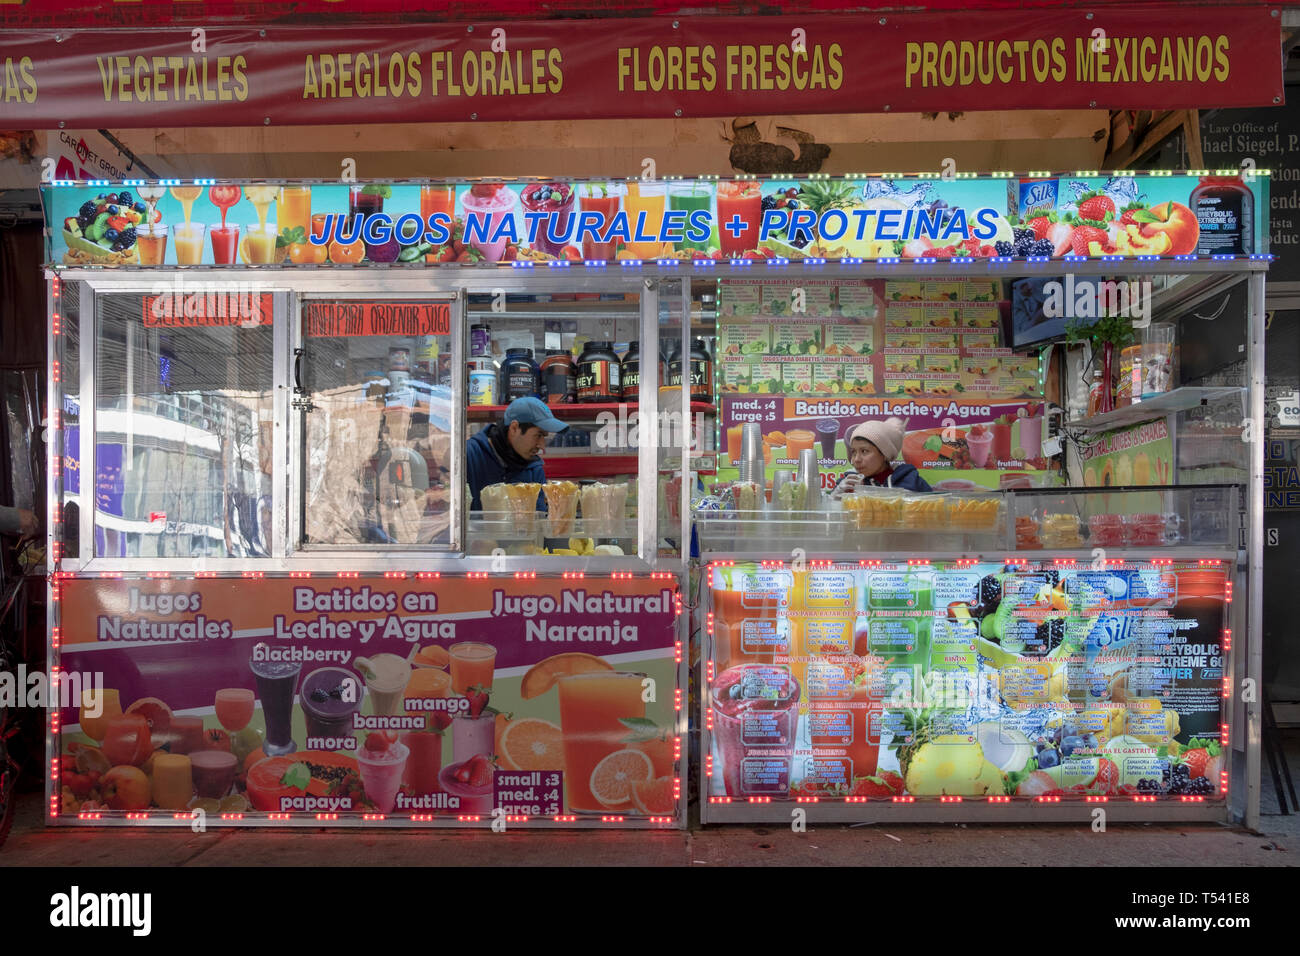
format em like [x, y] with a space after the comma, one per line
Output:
[381, 774]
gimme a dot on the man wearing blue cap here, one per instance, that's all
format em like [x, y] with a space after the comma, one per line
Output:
[511, 451]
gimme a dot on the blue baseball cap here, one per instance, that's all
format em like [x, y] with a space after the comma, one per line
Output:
[533, 411]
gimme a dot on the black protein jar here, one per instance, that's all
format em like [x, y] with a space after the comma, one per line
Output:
[631, 372]
[701, 372]
[599, 374]
[519, 375]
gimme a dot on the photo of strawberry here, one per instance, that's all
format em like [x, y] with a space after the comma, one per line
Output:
[1128, 214]
[478, 699]
[1086, 233]
[874, 787]
[1096, 206]
[1041, 225]
[1197, 758]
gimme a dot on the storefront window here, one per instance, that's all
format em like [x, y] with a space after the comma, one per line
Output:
[374, 385]
[579, 355]
[183, 425]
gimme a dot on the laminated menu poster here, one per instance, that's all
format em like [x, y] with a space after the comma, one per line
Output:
[929, 351]
[1139, 455]
[969, 680]
[430, 700]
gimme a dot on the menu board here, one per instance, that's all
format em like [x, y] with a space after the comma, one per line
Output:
[972, 680]
[811, 360]
[438, 700]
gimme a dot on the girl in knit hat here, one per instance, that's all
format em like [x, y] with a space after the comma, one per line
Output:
[872, 446]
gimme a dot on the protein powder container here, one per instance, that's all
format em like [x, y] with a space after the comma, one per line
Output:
[631, 372]
[701, 372]
[599, 377]
[559, 379]
[520, 376]
[481, 381]
[480, 340]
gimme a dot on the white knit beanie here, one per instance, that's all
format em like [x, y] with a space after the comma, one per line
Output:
[886, 436]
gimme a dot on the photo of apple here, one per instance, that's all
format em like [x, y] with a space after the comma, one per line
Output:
[126, 788]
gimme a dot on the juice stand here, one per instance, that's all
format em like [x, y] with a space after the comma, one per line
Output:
[275, 432]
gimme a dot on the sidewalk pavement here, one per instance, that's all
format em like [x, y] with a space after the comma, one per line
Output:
[1277, 843]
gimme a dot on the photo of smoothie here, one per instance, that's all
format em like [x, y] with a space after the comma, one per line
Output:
[485, 205]
[1030, 436]
[980, 442]
[554, 202]
[473, 735]
[472, 664]
[740, 210]
[733, 443]
[381, 771]
[798, 440]
[329, 696]
[1001, 430]
[828, 433]
[386, 679]
[276, 681]
[214, 772]
[425, 760]
[603, 200]
[690, 197]
[755, 707]
[746, 616]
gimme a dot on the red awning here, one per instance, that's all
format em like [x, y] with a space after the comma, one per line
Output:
[652, 67]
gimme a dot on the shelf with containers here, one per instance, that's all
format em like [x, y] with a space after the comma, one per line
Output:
[373, 530]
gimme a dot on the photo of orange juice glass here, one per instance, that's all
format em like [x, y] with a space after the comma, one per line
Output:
[437, 199]
[733, 443]
[258, 245]
[97, 706]
[647, 198]
[592, 708]
[471, 664]
[294, 210]
[187, 240]
[151, 243]
[798, 440]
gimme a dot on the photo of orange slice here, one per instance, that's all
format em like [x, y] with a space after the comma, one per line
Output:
[531, 744]
[542, 676]
[614, 777]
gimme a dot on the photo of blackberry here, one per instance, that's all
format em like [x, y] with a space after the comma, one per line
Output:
[1041, 247]
[1049, 634]
[1004, 248]
[989, 594]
